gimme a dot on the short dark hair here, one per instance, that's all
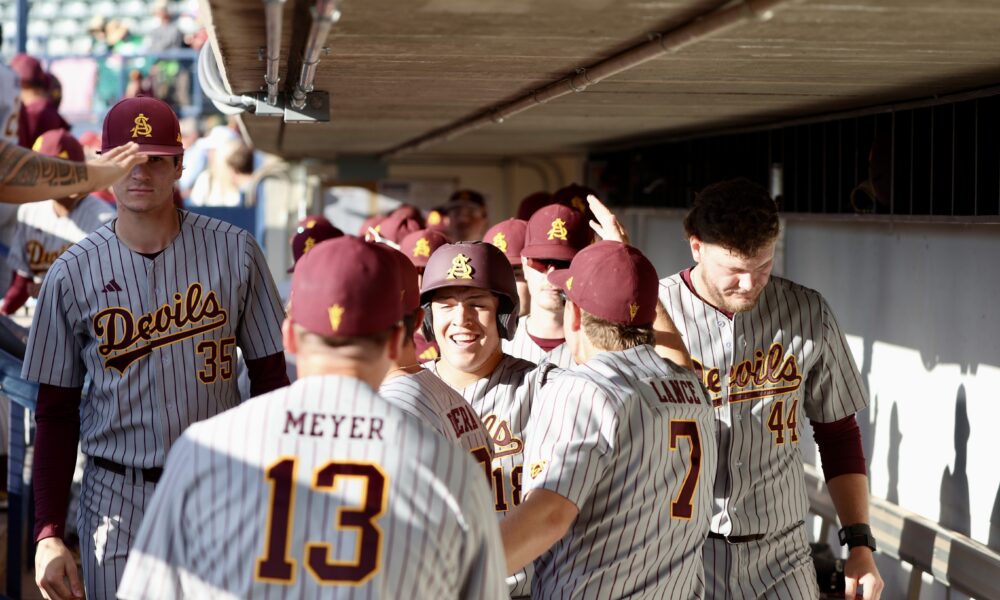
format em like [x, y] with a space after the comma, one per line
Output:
[613, 336]
[375, 340]
[737, 214]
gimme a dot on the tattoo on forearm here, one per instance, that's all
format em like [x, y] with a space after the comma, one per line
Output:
[37, 169]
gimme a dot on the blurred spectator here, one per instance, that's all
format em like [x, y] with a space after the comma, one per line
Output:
[230, 169]
[96, 29]
[170, 82]
[37, 114]
[198, 154]
[54, 91]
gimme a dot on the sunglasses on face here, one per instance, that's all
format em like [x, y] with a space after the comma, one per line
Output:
[544, 264]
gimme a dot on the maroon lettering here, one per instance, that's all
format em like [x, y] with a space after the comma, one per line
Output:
[337, 420]
[453, 418]
[355, 432]
[376, 428]
[316, 420]
[297, 422]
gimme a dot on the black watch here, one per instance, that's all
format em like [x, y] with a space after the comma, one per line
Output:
[859, 534]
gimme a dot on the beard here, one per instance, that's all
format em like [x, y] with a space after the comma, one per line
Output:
[730, 302]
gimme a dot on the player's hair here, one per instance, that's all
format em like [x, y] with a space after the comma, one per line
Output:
[737, 214]
[614, 337]
[373, 342]
[409, 327]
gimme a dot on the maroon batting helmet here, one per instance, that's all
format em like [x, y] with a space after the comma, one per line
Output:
[476, 265]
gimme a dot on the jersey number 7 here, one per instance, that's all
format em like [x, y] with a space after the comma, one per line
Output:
[683, 506]
[277, 565]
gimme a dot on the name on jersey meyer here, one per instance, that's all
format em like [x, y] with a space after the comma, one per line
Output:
[313, 424]
[123, 335]
[768, 374]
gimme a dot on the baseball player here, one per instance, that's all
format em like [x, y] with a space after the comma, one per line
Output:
[339, 493]
[420, 392]
[467, 215]
[769, 352]
[310, 231]
[555, 234]
[509, 236]
[469, 293]
[618, 450]
[45, 230]
[151, 308]
[418, 247]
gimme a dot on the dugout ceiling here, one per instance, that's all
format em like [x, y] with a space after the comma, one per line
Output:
[398, 69]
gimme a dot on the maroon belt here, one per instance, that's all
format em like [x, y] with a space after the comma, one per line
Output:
[736, 539]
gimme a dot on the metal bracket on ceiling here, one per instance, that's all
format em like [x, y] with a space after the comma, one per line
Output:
[316, 109]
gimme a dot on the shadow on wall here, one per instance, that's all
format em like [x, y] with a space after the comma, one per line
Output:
[955, 484]
[892, 459]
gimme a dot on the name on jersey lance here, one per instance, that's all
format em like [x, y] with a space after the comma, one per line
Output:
[770, 373]
[462, 420]
[38, 258]
[126, 339]
[676, 392]
[313, 424]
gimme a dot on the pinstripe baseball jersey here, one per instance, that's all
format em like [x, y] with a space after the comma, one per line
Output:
[427, 397]
[629, 439]
[157, 336]
[41, 235]
[522, 346]
[503, 401]
[764, 369]
[322, 490]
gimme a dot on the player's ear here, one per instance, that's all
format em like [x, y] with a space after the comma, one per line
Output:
[178, 166]
[696, 247]
[288, 336]
[575, 320]
[396, 342]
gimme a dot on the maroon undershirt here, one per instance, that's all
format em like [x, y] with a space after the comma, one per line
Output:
[547, 344]
[57, 418]
[839, 442]
[17, 294]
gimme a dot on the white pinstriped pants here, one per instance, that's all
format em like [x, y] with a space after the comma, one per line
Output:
[111, 509]
[776, 568]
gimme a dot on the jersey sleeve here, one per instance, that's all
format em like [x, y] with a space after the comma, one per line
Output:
[260, 321]
[569, 440]
[835, 389]
[54, 351]
[157, 561]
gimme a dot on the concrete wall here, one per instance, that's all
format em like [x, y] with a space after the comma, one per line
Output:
[917, 303]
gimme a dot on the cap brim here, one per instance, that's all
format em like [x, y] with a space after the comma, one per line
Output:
[549, 252]
[558, 278]
[153, 150]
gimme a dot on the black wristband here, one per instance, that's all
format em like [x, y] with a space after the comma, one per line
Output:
[859, 534]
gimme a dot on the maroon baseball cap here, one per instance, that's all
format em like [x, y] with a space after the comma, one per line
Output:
[612, 281]
[371, 222]
[437, 220]
[397, 226]
[408, 210]
[346, 287]
[574, 195]
[531, 203]
[149, 122]
[419, 245]
[556, 232]
[508, 236]
[29, 70]
[407, 275]
[309, 232]
[60, 144]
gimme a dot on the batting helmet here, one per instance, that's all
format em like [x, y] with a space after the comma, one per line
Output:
[476, 265]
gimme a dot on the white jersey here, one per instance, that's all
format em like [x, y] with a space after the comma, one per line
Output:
[10, 104]
[157, 336]
[629, 438]
[765, 369]
[503, 401]
[522, 346]
[426, 396]
[41, 235]
[318, 490]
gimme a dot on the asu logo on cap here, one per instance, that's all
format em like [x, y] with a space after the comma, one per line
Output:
[558, 230]
[500, 241]
[422, 248]
[310, 242]
[142, 127]
[569, 284]
[336, 314]
[633, 309]
[578, 203]
[460, 268]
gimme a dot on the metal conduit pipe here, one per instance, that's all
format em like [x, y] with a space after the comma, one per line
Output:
[657, 45]
[272, 28]
[324, 15]
[211, 82]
